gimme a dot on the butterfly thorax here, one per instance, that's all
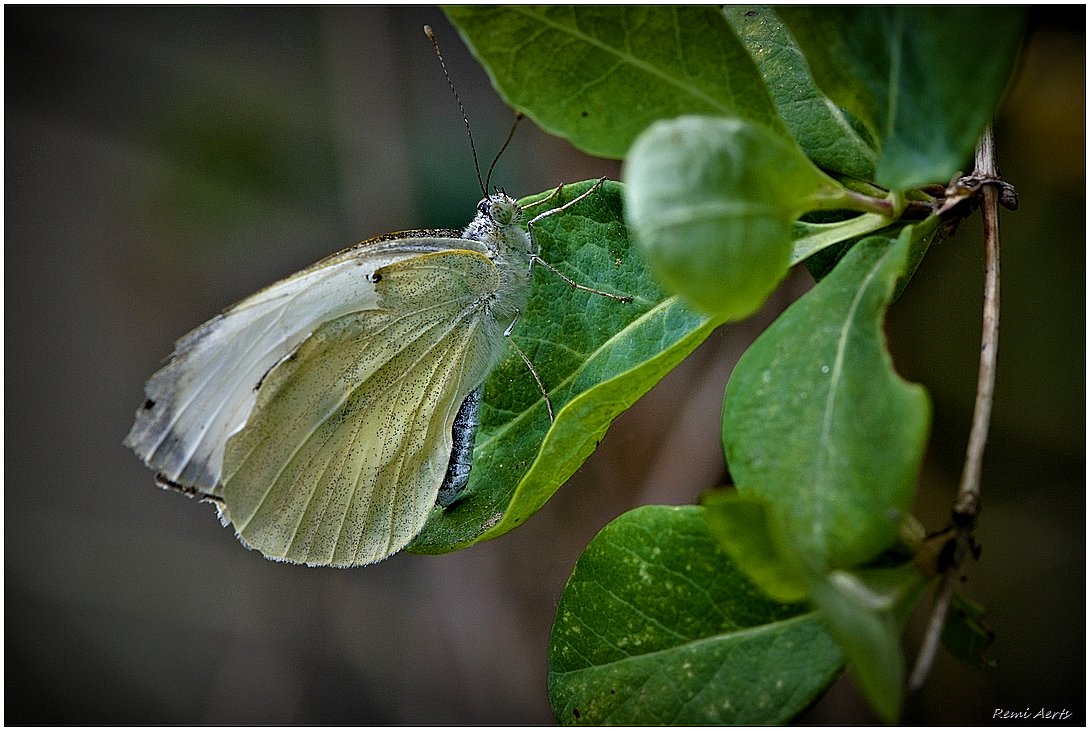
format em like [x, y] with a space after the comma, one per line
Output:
[496, 225]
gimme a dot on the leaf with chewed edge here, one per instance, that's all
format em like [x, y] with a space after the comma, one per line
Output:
[816, 421]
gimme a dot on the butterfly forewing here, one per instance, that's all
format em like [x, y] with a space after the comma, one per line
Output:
[207, 390]
[350, 438]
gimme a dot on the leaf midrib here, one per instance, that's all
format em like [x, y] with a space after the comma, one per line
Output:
[731, 635]
[835, 378]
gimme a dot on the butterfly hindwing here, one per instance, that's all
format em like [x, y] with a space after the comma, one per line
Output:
[350, 437]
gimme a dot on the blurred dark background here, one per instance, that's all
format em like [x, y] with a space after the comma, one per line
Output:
[162, 163]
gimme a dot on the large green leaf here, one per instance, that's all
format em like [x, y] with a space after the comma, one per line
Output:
[825, 132]
[595, 356]
[817, 423]
[599, 75]
[925, 80]
[656, 626]
[713, 201]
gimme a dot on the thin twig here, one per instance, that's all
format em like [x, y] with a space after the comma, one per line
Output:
[967, 503]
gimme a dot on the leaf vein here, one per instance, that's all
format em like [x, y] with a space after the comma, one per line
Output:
[631, 59]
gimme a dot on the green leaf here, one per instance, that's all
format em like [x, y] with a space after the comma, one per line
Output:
[821, 245]
[657, 626]
[712, 202]
[595, 356]
[817, 422]
[825, 132]
[746, 529]
[925, 80]
[966, 635]
[864, 611]
[599, 75]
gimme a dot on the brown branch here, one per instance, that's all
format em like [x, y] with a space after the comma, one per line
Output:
[967, 503]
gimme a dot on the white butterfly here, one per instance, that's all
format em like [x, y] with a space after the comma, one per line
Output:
[318, 413]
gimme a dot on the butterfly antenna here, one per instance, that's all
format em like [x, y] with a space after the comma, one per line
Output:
[476, 166]
[496, 159]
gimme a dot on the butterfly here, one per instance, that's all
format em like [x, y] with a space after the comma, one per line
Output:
[326, 414]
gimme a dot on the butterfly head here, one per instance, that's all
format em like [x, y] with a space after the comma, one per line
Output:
[501, 209]
[496, 225]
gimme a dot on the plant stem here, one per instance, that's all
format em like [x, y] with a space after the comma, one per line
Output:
[856, 201]
[967, 503]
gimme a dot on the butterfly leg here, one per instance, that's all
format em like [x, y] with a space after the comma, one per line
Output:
[555, 194]
[585, 194]
[533, 371]
[535, 259]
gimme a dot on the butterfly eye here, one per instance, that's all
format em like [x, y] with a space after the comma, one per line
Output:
[504, 210]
